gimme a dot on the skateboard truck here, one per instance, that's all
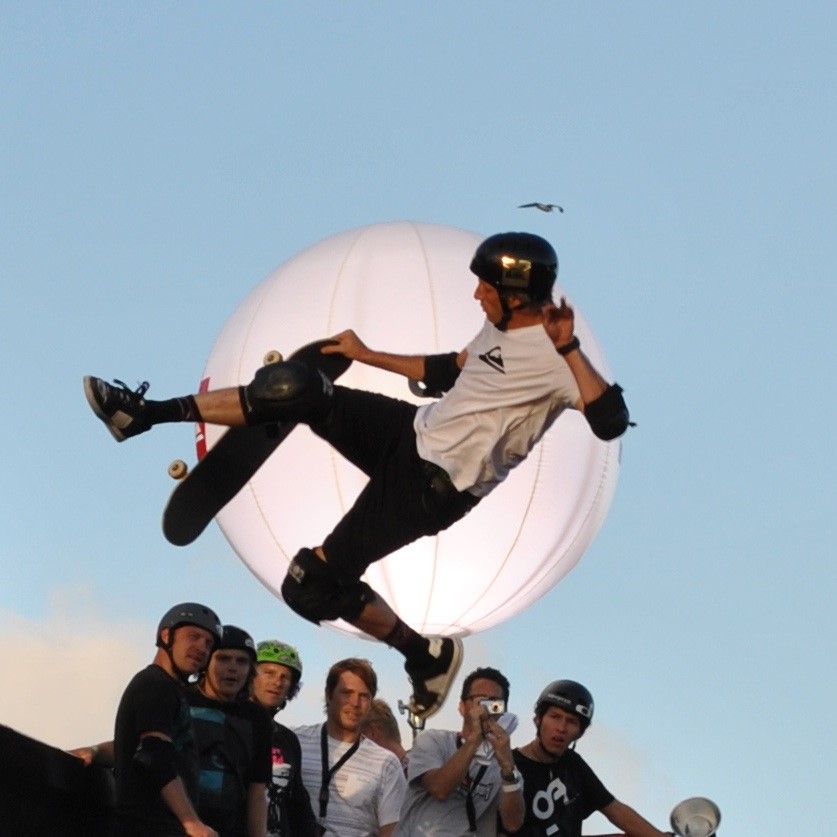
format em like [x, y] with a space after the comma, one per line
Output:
[415, 723]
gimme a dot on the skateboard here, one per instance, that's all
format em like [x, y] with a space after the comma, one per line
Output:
[237, 455]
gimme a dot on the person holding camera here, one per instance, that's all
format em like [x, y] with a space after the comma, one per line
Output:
[465, 783]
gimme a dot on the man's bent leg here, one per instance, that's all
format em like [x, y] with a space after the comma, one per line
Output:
[432, 662]
[287, 391]
[313, 590]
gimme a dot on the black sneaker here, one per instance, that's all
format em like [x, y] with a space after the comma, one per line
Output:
[119, 407]
[430, 685]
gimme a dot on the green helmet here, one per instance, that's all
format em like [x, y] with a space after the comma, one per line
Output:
[273, 651]
[281, 654]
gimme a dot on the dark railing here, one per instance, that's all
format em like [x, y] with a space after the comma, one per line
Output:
[45, 791]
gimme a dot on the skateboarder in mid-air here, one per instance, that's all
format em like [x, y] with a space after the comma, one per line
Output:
[427, 466]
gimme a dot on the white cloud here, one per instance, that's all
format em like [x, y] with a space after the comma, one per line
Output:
[64, 675]
[627, 773]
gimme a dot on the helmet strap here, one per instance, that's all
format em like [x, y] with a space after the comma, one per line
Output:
[503, 323]
[167, 646]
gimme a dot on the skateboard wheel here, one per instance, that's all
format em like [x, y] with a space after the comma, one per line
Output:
[178, 469]
[273, 357]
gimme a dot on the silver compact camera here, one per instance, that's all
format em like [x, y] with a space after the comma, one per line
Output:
[494, 707]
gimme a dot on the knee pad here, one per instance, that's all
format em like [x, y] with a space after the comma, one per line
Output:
[287, 391]
[155, 758]
[313, 591]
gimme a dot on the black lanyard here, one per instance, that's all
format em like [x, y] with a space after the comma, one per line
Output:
[469, 799]
[328, 772]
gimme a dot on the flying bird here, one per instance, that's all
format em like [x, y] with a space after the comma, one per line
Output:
[544, 207]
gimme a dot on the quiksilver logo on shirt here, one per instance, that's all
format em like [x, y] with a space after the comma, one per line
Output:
[494, 359]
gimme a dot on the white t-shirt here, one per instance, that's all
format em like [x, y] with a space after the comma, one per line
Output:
[424, 816]
[365, 794]
[512, 388]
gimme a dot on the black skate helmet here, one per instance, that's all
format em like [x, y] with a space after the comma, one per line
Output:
[237, 639]
[517, 263]
[570, 696]
[190, 613]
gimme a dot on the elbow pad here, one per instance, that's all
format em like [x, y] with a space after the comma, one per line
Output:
[154, 758]
[608, 415]
[440, 373]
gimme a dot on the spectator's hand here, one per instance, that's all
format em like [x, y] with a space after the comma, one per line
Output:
[86, 754]
[473, 731]
[559, 322]
[195, 828]
[501, 741]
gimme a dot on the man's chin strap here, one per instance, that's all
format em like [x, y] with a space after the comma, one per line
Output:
[503, 322]
[181, 675]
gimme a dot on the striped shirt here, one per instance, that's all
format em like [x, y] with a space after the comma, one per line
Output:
[365, 794]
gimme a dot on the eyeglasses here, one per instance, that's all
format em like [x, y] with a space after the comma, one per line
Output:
[484, 697]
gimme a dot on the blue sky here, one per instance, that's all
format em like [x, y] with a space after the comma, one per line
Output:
[158, 160]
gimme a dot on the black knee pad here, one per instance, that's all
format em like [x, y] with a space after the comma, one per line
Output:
[312, 590]
[155, 759]
[287, 391]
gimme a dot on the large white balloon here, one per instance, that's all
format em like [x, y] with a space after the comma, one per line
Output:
[406, 287]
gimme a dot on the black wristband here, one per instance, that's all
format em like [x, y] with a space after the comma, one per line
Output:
[569, 347]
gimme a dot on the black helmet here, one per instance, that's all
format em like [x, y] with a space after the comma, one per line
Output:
[190, 613]
[517, 262]
[570, 696]
[237, 639]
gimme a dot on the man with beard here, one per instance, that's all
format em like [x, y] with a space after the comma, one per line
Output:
[464, 782]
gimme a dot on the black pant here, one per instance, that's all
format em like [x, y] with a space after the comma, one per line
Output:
[405, 498]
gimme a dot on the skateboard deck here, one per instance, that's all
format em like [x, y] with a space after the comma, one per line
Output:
[234, 459]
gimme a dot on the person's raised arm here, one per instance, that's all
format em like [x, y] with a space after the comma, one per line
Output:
[511, 808]
[602, 403]
[441, 782]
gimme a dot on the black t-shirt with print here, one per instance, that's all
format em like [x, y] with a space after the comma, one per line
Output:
[559, 795]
